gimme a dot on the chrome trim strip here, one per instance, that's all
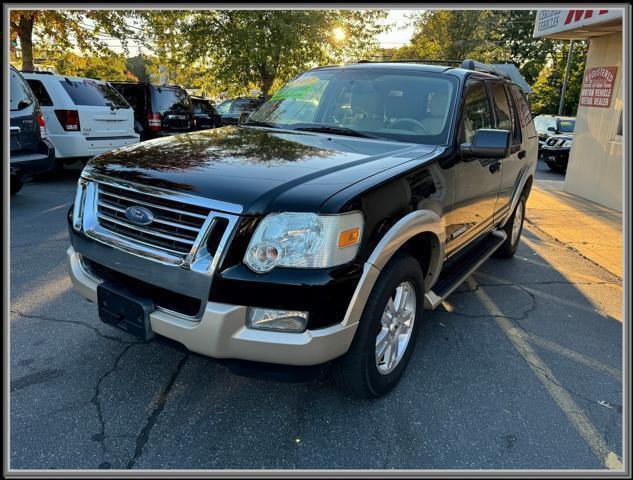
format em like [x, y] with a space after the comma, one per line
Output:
[216, 205]
[144, 230]
[153, 205]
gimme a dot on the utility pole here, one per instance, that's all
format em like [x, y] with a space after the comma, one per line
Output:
[567, 68]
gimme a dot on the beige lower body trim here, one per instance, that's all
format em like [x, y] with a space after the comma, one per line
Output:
[222, 332]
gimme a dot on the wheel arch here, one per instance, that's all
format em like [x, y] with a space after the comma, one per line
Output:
[421, 234]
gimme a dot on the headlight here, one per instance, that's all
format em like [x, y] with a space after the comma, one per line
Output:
[567, 144]
[304, 240]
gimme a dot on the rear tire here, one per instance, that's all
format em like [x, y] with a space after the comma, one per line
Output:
[385, 339]
[513, 229]
[16, 184]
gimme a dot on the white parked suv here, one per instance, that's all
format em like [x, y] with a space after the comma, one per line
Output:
[84, 117]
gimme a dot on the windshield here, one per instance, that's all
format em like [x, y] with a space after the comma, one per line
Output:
[566, 126]
[391, 104]
[89, 92]
[224, 106]
[174, 99]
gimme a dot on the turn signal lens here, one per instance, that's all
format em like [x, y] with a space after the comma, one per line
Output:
[350, 237]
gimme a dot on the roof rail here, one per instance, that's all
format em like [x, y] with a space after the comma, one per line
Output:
[46, 72]
[422, 60]
[483, 67]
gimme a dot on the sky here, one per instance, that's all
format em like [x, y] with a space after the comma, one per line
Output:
[401, 33]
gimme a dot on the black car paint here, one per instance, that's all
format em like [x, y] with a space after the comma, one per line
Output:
[29, 153]
[205, 113]
[270, 170]
[143, 97]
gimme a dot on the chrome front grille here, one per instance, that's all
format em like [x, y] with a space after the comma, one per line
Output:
[175, 226]
[180, 229]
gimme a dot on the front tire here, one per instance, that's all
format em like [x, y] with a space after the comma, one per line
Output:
[387, 331]
[513, 229]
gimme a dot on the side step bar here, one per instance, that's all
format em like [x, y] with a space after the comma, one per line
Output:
[456, 274]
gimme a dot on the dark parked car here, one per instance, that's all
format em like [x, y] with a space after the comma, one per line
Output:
[206, 115]
[317, 232]
[158, 110]
[231, 110]
[555, 137]
[31, 151]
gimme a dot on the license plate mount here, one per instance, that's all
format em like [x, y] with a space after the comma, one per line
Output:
[122, 308]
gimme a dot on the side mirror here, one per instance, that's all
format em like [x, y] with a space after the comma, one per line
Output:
[487, 143]
[551, 129]
[243, 118]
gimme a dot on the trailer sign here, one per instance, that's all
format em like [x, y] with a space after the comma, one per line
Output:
[597, 87]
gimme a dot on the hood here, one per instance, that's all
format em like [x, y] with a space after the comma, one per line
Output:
[262, 170]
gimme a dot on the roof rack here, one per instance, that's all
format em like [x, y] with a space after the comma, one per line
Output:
[423, 60]
[483, 67]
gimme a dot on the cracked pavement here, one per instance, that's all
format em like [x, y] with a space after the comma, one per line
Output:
[87, 396]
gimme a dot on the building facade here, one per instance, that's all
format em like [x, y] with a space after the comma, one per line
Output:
[596, 162]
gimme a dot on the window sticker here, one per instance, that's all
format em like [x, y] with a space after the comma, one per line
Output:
[305, 88]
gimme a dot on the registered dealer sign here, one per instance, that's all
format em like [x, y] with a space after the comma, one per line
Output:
[597, 87]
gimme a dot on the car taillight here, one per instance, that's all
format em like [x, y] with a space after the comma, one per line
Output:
[42, 124]
[154, 121]
[69, 119]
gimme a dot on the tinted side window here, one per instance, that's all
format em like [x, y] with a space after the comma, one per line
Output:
[525, 116]
[514, 116]
[174, 99]
[477, 112]
[502, 108]
[20, 94]
[40, 93]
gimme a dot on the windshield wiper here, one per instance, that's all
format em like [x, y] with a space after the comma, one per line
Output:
[336, 130]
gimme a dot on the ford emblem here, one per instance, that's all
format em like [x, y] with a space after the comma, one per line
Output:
[139, 215]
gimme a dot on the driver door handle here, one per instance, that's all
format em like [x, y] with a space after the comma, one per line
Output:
[494, 167]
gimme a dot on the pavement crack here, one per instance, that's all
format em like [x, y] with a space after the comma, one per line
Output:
[143, 435]
[73, 322]
[96, 400]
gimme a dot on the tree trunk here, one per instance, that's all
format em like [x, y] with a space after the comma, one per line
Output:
[25, 34]
[267, 83]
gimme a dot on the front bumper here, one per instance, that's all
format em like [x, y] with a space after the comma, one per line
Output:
[221, 330]
[555, 156]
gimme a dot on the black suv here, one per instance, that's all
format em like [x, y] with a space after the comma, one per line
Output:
[206, 115]
[158, 110]
[31, 151]
[231, 110]
[555, 134]
[318, 231]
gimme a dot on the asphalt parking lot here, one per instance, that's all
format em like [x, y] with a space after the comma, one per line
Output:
[520, 369]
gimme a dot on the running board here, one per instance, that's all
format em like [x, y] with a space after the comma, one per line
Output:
[456, 274]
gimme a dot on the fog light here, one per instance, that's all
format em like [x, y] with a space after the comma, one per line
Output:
[279, 320]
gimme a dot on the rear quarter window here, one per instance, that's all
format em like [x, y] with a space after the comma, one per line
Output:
[525, 116]
[40, 92]
[90, 93]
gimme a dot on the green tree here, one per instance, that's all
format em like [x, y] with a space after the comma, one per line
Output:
[237, 49]
[548, 85]
[64, 29]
